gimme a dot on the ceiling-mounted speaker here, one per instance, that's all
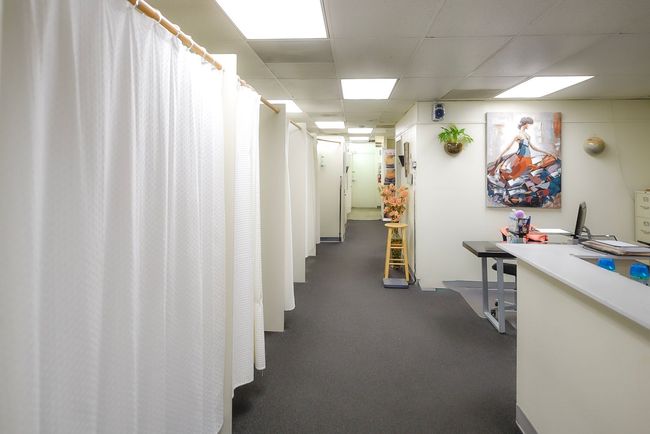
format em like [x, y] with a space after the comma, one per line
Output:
[594, 145]
[438, 112]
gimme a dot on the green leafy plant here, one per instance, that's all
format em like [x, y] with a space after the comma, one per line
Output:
[454, 138]
[453, 134]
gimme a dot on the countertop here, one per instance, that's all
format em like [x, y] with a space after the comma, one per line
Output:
[628, 298]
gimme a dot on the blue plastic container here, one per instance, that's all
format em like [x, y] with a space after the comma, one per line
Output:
[606, 263]
[640, 272]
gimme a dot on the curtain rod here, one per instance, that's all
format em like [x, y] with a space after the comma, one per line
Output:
[186, 40]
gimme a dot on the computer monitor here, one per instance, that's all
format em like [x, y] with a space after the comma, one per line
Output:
[580, 221]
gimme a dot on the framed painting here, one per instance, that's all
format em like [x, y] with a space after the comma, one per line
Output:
[524, 167]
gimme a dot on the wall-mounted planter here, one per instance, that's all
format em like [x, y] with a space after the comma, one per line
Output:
[453, 139]
[453, 148]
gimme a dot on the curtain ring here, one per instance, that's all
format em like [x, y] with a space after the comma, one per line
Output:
[177, 27]
[160, 16]
[137, 4]
[191, 43]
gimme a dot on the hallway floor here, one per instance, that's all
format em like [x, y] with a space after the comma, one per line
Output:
[365, 214]
[358, 358]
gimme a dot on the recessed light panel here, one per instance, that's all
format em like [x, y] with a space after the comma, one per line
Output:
[359, 130]
[540, 86]
[291, 106]
[370, 88]
[330, 125]
[359, 138]
[276, 19]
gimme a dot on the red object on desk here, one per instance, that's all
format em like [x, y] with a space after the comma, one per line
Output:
[531, 237]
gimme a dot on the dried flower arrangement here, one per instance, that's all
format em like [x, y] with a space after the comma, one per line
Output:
[395, 201]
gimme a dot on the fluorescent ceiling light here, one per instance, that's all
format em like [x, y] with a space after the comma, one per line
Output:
[541, 86]
[359, 138]
[367, 88]
[330, 125]
[291, 106]
[359, 130]
[277, 19]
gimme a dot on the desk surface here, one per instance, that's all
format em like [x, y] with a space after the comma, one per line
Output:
[486, 249]
[560, 261]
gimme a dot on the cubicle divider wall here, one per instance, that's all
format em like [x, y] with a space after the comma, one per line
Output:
[298, 171]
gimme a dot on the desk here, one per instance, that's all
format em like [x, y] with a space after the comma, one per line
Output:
[585, 368]
[485, 250]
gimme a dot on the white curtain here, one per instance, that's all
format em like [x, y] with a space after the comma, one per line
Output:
[248, 309]
[111, 224]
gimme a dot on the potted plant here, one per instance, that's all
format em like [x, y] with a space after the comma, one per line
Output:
[454, 138]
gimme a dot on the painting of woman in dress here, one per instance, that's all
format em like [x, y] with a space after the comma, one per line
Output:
[524, 168]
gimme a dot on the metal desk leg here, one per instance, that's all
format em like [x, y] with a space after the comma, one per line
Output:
[486, 308]
[502, 301]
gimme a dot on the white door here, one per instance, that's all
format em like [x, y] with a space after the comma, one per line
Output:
[364, 180]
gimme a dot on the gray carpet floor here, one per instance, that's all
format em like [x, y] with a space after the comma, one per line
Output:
[358, 358]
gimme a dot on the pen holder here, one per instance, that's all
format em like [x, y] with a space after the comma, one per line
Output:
[521, 226]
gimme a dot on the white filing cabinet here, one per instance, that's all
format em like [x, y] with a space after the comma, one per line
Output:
[642, 216]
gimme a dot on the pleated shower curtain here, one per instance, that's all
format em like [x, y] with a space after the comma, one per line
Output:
[111, 224]
[248, 308]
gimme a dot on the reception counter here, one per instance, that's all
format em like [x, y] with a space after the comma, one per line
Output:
[583, 344]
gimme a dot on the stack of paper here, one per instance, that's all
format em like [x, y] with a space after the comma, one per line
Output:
[617, 247]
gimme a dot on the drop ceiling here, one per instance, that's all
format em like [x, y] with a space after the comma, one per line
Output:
[437, 49]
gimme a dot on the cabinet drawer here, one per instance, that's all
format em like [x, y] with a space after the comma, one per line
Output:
[643, 229]
[642, 202]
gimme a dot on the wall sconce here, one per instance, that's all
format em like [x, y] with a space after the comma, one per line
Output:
[594, 145]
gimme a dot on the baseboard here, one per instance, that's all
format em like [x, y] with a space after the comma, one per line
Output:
[524, 425]
[330, 239]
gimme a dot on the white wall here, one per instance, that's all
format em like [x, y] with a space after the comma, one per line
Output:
[330, 173]
[408, 132]
[450, 202]
[275, 213]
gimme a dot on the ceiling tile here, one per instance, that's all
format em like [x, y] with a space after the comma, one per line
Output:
[478, 82]
[202, 19]
[320, 88]
[399, 105]
[390, 117]
[617, 54]
[303, 70]
[423, 89]
[248, 64]
[486, 17]
[372, 18]
[365, 105]
[372, 57]
[268, 88]
[608, 86]
[593, 17]
[291, 51]
[320, 106]
[362, 118]
[526, 55]
[452, 57]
